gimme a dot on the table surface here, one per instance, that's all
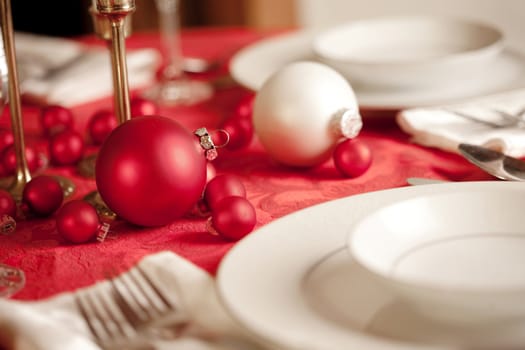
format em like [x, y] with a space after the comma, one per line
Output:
[52, 265]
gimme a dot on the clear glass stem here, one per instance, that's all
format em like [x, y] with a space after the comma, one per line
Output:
[170, 37]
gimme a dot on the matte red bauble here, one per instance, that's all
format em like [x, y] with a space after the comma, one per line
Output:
[240, 131]
[142, 107]
[7, 204]
[352, 157]
[233, 217]
[245, 107]
[66, 148]
[8, 158]
[6, 139]
[43, 195]
[55, 118]
[222, 186]
[101, 125]
[77, 221]
[150, 171]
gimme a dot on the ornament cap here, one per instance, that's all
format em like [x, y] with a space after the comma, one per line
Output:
[206, 142]
[102, 231]
[348, 122]
[7, 224]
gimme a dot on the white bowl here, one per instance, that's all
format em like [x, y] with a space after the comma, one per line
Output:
[410, 51]
[453, 257]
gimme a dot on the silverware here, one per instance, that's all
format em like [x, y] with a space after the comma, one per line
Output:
[493, 162]
[130, 312]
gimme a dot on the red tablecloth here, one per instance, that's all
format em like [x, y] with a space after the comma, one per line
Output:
[52, 265]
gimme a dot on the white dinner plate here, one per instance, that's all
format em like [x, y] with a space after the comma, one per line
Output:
[293, 283]
[252, 65]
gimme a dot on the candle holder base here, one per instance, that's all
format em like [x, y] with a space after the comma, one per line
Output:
[102, 209]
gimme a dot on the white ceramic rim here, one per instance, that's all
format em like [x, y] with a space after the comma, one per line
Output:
[354, 233]
[494, 40]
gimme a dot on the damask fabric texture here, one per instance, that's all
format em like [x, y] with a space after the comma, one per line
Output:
[53, 266]
[494, 121]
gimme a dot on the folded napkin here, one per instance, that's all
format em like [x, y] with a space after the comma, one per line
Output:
[56, 323]
[62, 71]
[495, 121]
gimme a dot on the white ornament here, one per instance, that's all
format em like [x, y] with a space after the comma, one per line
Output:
[302, 111]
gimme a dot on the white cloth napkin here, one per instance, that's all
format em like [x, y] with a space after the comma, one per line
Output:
[56, 323]
[62, 71]
[472, 121]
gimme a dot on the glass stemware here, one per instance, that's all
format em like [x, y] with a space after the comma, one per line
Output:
[12, 280]
[174, 86]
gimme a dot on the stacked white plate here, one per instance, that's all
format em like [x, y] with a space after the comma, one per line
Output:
[396, 62]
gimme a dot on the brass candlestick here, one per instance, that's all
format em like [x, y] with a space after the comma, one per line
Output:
[22, 174]
[111, 20]
[103, 26]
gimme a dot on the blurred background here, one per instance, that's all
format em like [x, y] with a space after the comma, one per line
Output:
[47, 17]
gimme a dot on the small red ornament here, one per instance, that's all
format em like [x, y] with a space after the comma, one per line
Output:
[101, 125]
[55, 118]
[6, 139]
[150, 171]
[222, 186]
[142, 107]
[233, 217]
[240, 131]
[244, 108]
[66, 148]
[8, 157]
[77, 221]
[43, 195]
[352, 157]
[7, 204]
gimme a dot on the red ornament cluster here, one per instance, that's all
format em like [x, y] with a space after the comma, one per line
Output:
[232, 215]
[239, 125]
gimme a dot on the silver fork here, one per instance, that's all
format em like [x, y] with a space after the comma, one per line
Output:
[129, 311]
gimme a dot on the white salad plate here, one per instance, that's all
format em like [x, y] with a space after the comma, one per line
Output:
[409, 51]
[294, 283]
[252, 65]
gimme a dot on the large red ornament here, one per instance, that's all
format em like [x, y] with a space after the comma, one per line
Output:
[150, 171]
[101, 125]
[352, 157]
[77, 221]
[233, 217]
[55, 118]
[222, 186]
[43, 195]
[66, 148]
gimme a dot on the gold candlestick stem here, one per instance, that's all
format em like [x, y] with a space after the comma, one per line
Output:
[22, 175]
[120, 71]
[111, 24]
